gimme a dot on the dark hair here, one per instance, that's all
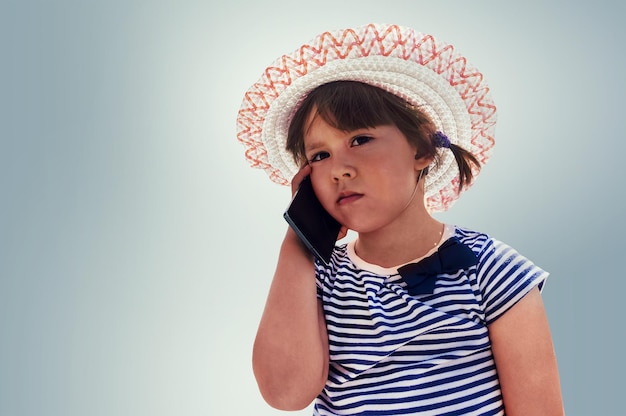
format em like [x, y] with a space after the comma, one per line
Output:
[352, 105]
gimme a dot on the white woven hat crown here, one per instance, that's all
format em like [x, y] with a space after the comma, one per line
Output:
[425, 72]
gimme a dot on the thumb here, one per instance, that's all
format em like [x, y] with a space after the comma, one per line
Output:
[342, 232]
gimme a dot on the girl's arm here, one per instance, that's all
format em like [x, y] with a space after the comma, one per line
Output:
[525, 359]
[290, 355]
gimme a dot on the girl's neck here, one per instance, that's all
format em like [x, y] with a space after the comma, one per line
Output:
[400, 243]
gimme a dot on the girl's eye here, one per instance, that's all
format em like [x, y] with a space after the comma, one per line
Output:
[360, 140]
[318, 156]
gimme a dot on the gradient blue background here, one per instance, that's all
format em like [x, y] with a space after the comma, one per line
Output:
[137, 246]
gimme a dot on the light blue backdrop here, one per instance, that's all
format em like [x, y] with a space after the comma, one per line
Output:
[137, 246]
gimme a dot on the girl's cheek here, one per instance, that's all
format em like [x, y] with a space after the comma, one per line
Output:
[322, 190]
[316, 174]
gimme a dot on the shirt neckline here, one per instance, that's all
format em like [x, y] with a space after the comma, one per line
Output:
[448, 232]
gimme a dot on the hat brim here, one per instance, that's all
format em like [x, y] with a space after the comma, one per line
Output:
[425, 72]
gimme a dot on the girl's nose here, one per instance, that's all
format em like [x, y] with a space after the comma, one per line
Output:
[343, 170]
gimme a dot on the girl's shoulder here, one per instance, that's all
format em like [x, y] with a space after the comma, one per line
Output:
[483, 244]
[476, 240]
[341, 258]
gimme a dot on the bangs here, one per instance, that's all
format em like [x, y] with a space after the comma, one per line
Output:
[349, 105]
[352, 105]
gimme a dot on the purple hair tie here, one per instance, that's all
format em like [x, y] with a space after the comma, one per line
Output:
[441, 140]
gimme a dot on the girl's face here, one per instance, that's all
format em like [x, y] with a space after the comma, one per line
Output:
[364, 178]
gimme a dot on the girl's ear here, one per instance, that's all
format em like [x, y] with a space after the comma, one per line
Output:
[422, 162]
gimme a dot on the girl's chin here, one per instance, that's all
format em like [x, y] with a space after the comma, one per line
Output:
[361, 228]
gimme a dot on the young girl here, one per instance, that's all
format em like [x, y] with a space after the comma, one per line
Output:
[413, 316]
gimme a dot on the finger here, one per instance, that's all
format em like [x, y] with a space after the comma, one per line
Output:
[342, 232]
[297, 179]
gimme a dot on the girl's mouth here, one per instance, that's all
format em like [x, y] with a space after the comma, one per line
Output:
[348, 197]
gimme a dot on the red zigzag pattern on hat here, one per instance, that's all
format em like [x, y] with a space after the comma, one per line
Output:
[442, 59]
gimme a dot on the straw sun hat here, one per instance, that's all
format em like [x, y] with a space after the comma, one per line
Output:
[417, 67]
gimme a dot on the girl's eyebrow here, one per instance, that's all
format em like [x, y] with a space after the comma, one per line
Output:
[313, 146]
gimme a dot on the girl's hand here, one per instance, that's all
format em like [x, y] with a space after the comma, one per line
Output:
[304, 171]
[342, 232]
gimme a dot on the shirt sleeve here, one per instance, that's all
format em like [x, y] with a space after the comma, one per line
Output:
[504, 277]
[325, 274]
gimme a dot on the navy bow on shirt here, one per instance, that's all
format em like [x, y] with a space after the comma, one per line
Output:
[451, 256]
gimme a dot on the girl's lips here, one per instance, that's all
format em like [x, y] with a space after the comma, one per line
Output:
[348, 197]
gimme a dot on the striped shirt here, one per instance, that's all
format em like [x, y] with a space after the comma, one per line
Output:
[396, 354]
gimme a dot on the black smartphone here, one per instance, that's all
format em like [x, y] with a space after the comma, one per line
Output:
[317, 229]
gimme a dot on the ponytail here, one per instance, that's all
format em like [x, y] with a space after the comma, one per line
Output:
[467, 163]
